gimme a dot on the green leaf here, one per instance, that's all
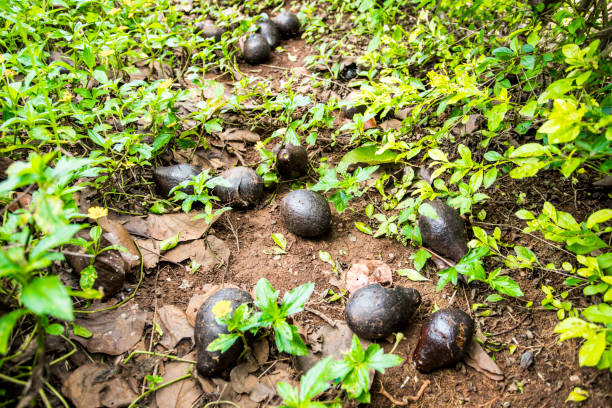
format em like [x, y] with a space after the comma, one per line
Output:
[223, 342]
[599, 217]
[7, 322]
[81, 331]
[295, 300]
[367, 155]
[377, 359]
[571, 327]
[496, 115]
[419, 258]
[48, 296]
[428, 211]
[266, 297]
[412, 275]
[524, 215]
[169, 243]
[529, 150]
[494, 298]
[54, 329]
[279, 239]
[506, 285]
[577, 395]
[288, 394]
[315, 381]
[601, 313]
[591, 350]
[288, 339]
[503, 52]
[88, 57]
[363, 228]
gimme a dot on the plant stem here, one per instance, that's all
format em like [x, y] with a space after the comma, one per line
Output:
[141, 396]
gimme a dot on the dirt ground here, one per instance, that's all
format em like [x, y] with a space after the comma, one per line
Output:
[247, 233]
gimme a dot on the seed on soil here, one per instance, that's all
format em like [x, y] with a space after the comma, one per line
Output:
[270, 32]
[109, 265]
[292, 161]
[375, 312]
[444, 338]
[168, 177]
[59, 57]
[207, 329]
[256, 49]
[288, 24]
[350, 109]
[244, 188]
[207, 29]
[446, 234]
[305, 213]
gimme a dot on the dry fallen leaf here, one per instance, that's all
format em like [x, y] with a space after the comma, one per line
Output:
[94, 385]
[182, 394]
[240, 379]
[113, 332]
[367, 271]
[161, 227]
[174, 324]
[479, 360]
[150, 252]
[239, 135]
[198, 251]
[116, 234]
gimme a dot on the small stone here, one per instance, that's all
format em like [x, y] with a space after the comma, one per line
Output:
[529, 334]
[352, 238]
[512, 388]
[526, 360]
[574, 378]
[506, 404]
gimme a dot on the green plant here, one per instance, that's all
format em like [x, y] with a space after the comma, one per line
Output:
[270, 315]
[346, 188]
[201, 185]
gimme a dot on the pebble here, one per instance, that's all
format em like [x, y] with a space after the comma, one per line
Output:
[574, 378]
[526, 360]
[352, 238]
[529, 334]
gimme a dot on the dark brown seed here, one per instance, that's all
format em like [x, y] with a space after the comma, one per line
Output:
[444, 338]
[374, 312]
[270, 32]
[207, 329]
[244, 188]
[350, 108]
[110, 265]
[292, 161]
[256, 49]
[59, 57]
[306, 213]
[446, 234]
[207, 29]
[288, 24]
[169, 177]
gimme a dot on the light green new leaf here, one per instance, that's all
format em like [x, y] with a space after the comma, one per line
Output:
[428, 211]
[7, 322]
[601, 313]
[591, 350]
[577, 395]
[412, 275]
[599, 217]
[169, 243]
[419, 258]
[496, 115]
[294, 300]
[367, 155]
[48, 296]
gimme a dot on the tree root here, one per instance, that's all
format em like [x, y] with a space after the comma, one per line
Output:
[408, 399]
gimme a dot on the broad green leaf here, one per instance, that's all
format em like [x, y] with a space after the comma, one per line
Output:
[295, 300]
[428, 211]
[367, 155]
[288, 394]
[169, 243]
[315, 381]
[363, 228]
[419, 258]
[48, 296]
[266, 297]
[496, 115]
[601, 313]
[591, 350]
[223, 342]
[572, 327]
[288, 339]
[54, 329]
[7, 322]
[494, 298]
[599, 217]
[577, 395]
[81, 331]
[412, 275]
[279, 239]
[530, 149]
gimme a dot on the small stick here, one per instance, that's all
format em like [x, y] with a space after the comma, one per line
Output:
[407, 399]
[321, 315]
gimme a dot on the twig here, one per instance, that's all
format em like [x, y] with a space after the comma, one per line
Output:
[321, 315]
[408, 399]
[141, 396]
[152, 353]
[210, 404]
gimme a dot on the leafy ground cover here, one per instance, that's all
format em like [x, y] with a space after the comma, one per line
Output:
[501, 109]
